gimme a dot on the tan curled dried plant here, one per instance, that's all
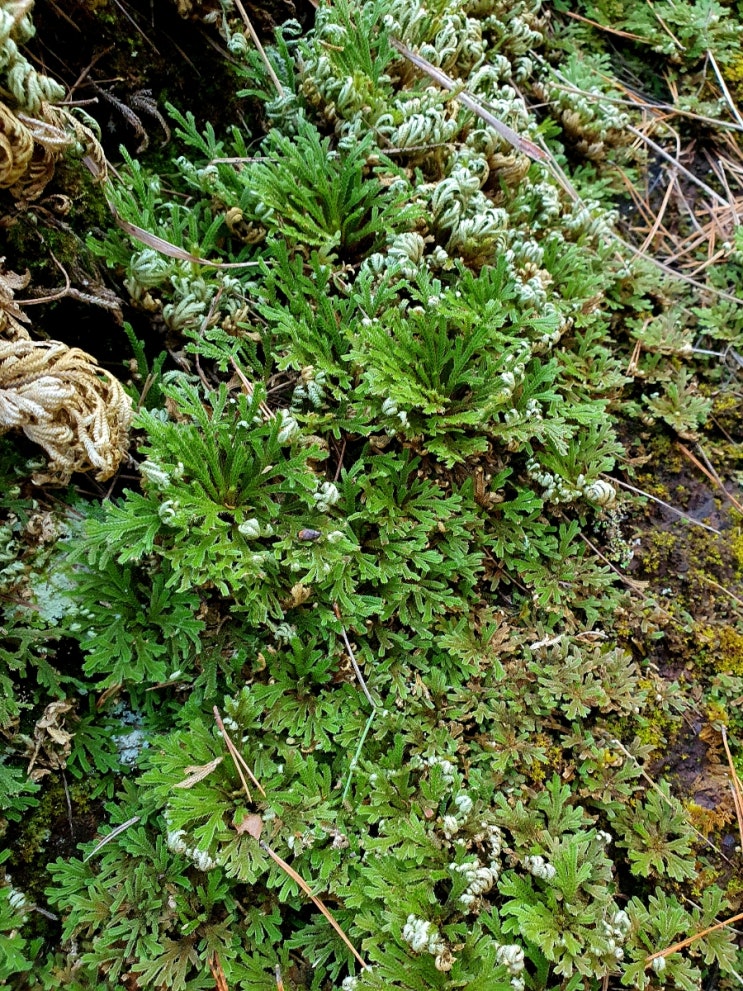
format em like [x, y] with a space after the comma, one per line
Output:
[16, 148]
[59, 397]
[31, 146]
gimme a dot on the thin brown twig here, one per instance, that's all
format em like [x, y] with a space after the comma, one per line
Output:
[633, 583]
[640, 204]
[710, 581]
[603, 27]
[563, 180]
[69, 806]
[710, 261]
[220, 979]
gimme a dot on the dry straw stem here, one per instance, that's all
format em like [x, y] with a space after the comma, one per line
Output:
[661, 111]
[261, 51]
[266, 412]
[705, 839]
[288, 869]
[724, 213]
[352, 657]
[666, 505]
[110, 836]
[735, 784]
[603, 27]
[632, 583]
[677, 165]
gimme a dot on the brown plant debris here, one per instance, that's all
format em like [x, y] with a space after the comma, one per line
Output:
[63, 401]
[51, 743]
[11, 315]
[59, 397]
[30, 147]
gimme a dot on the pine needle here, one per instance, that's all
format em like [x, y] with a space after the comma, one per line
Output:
[237, 758]
[288, 869]
[692, 939]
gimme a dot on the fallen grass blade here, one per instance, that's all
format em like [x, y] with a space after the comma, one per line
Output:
[111, 836]
[166, 248]
[666, 505]
[520, 144]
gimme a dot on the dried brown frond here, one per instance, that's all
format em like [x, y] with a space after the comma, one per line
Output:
[62, 400]
[16, 148]
[31, 146]
[11, 315]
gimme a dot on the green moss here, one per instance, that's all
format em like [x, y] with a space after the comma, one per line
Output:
[725, 653]
[53, 826]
